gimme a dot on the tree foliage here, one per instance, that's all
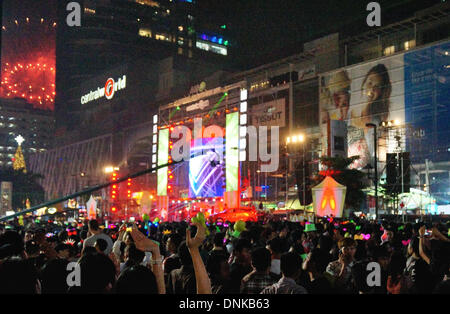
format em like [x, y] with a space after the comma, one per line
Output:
[25, 186]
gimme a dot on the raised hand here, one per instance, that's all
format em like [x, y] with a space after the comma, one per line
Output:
[116, 263]
[200, 236]
[200, 218]
[142, 242]
[422, 231]
[436, 234]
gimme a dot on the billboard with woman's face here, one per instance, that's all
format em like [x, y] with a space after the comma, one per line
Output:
[369, 93]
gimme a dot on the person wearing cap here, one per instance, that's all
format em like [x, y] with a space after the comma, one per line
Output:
[339, 92]
[310, 242]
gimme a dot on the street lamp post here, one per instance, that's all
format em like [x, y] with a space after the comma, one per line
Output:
[287, 173]
[372, 125]
[303, 176]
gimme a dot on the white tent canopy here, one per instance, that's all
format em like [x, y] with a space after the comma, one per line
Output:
[329, 198]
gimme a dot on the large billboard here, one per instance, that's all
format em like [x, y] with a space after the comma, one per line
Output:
[427, 102]
[368, 93]
[412, 88]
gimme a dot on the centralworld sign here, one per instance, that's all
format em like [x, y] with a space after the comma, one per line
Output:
[107, 91]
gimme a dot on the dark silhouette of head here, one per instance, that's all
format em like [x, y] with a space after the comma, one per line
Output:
[261, 259]
[136, 280]
[17, 276]
[54, 276]
[290, 264]
[97, 273]
[11, 244]
[184, 255]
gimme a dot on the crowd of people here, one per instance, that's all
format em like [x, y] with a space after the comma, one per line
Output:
[329, 256]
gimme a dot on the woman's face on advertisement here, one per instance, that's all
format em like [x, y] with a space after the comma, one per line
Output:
[373, 87]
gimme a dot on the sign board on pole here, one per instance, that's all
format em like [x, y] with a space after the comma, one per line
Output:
[91, 206]
[5, 197]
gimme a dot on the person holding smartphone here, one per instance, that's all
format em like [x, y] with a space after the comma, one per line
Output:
[341, 269]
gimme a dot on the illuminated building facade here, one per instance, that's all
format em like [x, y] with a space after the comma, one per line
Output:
[298, 95]
[17, 117]
[113, 33]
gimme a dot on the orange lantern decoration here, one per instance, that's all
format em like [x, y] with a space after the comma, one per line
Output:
[329, 198]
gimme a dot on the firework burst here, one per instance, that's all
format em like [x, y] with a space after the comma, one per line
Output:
[28, 61]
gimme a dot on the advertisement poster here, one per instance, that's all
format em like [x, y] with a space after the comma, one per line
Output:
[368, 93]
[427, 102]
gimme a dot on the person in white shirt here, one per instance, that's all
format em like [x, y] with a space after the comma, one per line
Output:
[96, 233]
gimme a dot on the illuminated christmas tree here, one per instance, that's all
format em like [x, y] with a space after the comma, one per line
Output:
[19, 160]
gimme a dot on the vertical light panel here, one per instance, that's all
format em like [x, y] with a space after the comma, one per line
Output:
[163, 158]
[232, 151]
[155, 139]
[243, 128]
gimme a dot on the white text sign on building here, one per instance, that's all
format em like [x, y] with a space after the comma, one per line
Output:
[107, 91]
[270, 113]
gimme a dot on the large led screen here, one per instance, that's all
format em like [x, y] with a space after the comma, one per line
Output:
[206, 168]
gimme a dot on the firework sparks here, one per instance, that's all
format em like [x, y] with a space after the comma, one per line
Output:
[32, 81]
[28, 61]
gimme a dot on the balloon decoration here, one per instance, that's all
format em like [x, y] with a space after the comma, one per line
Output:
[200, 218]
[145, 217]
[362, 236]
[384, 237]
[238, 227]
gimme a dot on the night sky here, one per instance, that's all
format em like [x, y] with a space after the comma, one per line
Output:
[267, 30]
[260, 31]
[28, 51]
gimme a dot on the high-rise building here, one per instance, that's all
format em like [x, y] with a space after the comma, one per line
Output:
[114, 32]
[36, 126]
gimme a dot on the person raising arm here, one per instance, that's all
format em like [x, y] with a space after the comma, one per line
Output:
[421, 243]
[201, 276]
[147, 245]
